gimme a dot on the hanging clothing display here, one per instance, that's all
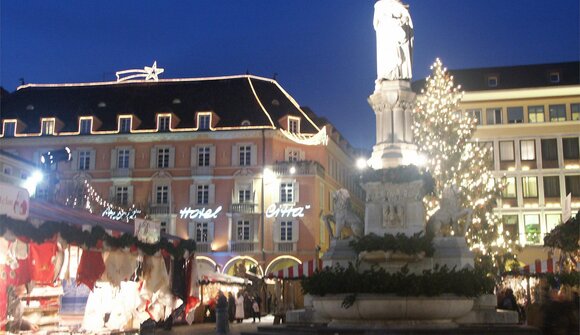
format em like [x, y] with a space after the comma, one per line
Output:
[119, 266]
[90, 269]
[42, 262]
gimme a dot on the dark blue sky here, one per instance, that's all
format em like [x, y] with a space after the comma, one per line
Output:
[322, 51]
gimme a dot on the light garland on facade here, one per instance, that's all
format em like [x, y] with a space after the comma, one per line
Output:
[444, 133]
[93, 202]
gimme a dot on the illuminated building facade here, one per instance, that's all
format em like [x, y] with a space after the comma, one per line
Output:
[231, 162]
[530, 115]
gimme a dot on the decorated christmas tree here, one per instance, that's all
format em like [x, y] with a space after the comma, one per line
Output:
[443, 133]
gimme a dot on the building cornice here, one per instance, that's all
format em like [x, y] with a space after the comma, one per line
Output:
[523, 93]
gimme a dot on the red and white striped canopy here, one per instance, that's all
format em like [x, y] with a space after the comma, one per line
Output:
[543, 266]
[297, 271]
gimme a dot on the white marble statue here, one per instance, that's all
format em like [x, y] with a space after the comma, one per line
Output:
[394, 29]
[343, 216]
[449, 213]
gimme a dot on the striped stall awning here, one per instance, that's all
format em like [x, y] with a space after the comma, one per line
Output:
[298, 271]
[543, 266]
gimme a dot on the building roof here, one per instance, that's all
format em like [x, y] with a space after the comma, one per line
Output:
[261, 101]
[513, 77]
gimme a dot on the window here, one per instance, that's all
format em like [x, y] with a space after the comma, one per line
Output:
[245, 155]
[203, 121]
[551, 187]
[123, 158]
[125, 125]
[84, 160]
[293, 155]
[243, 230]
[554, 77]
[570, 148]
[7, 170]
[549, 149]
[573, 185]
[575, 112]
[509, 190]
[552, 220]
[535, 114]
[557, 113]
[293, 125]
[162, 195]
[527, 150]
[286, 231]
[493, 115]
[122, 195]
[492, 81]
[515, 114]
[163, 226]
[162, 158]
[530, 187]
[201, 232]
[47, 127]
[245, 193]
[510, 224]
[86, 126]
[475, 114]
[506, 151]
[203, 154]
[9, 128]
[202, 194]
[532, 228]
[163, 123]
[286, 192]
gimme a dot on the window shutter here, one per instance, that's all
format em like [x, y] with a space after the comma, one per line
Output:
[75, 160]
[212, 155]
[276, 231]
[302, 155]
[210, 231]
[235, 155]
[191, 230]
[254, 155]
[295, 230]
[171, 157]
[211, 194]
[130, 195]
[131, 158]
[93, 159]
[112, 193]
[194, 159]
[114, 158]
[193, 194]
[296, 187]
[275, 195]
[153, 158]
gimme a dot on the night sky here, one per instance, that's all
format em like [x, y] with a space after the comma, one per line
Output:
[323, 52]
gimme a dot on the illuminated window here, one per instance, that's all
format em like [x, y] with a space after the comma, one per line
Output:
[243, 230]
[515, 114]
[203, 155]
[511, 225]
[287, 192]
[203, 121]
[506, 151]
[493, 115]
[122, 195]
[551, 186]
[201, 232]
[570, 148]
[163, 123]
[286, 231]
[557, 113]
[532, 228]
[293, 125]
[125, 125]
[86, 126]
[572, 185]
[530, 187]
[202, 194]
[245, 155]
[84, 160]
[47, 127]
[575, 112]
[535, 114]
[9, 128]
[552, 220]
[475, 114]
[162, 158]
[527, 150]
[162, 195]
[509, 190]
[123, 156]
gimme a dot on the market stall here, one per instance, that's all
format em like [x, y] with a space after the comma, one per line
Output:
[210, 283]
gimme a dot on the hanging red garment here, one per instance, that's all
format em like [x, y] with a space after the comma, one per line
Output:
[42, 262]
[91, 267]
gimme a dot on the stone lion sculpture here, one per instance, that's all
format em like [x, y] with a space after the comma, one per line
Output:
[343, 216]
[449, 213]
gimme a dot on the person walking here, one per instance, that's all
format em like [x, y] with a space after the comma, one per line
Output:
[231, 307]
[221, 309]
[255, 310]
[239, 308]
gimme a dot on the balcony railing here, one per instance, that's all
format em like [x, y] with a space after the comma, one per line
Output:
[300, 168]
[159, 209]
[244, 208]
[285, 247]
[243, 246]
[122, 173]
[203, 247]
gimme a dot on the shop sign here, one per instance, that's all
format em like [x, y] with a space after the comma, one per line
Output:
[199, 213]
[285, 211]
[120, 215]
[14, 201]
[147, 231]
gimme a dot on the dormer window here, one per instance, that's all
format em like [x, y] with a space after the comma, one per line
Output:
[294, 125]
[163, 123]
[86, 126]
[492, 81]
[176, 101]
[246, 123]
[9, 128]
[203, 121]
[102, 104]
[47, 127]
[30, 107]
[554, 77]
[125, 124]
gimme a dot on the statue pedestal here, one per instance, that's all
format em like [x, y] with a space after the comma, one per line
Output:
[339, 253]
[453, 252]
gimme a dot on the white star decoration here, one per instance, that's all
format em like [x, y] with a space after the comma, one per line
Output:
[148, 73]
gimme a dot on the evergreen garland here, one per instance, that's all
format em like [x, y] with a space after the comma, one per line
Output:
[402, 243]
